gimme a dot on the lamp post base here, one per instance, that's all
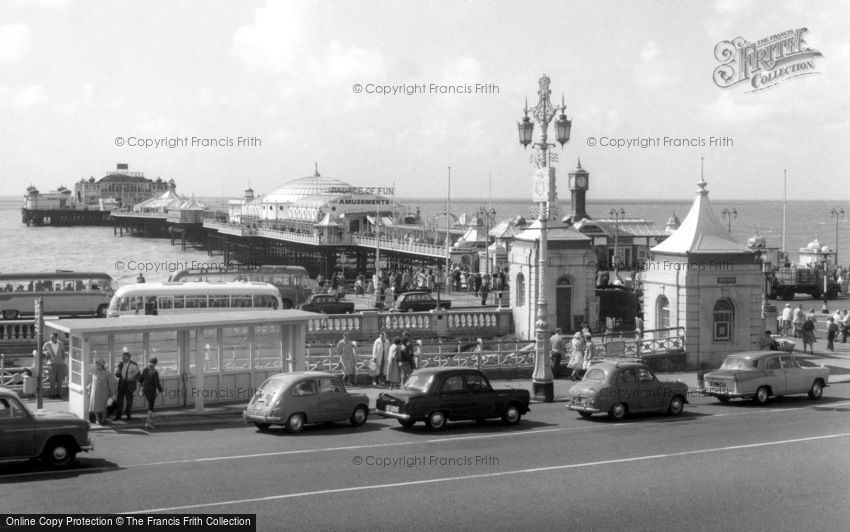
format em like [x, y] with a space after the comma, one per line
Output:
[543, 391]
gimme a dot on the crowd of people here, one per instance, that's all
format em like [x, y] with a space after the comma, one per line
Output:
[802, 324]
[578, 354]
[391, 363]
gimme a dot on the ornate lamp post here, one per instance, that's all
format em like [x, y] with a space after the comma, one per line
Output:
[617, 213]
[543, 113]
[729, 214]
[838, 214]
[486, 214]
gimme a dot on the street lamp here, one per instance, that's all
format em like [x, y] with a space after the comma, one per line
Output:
[378, 276]
[486, 214]
[617, 213]
[838, 214]
[729, 214]
[543, 114]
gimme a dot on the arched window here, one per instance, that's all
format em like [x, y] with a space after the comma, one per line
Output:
[520, 290]
[662, 313]
[724, 319]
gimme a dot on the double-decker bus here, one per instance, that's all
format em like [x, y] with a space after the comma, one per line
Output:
[293, 282]
[65, 293]
[176, 297]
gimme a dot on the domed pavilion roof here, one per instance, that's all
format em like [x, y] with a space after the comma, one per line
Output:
[302, 187]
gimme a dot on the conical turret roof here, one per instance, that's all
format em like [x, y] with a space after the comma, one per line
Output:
[701, 231]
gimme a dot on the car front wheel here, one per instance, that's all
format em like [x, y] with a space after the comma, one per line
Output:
[436, 420]
[511, 415]
[817, 390]
[617, 412]
[359, 416]
[677, 405]
[762, 395]
[59, 453]
[295, 423]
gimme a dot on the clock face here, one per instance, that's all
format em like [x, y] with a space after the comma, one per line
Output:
[581, 181]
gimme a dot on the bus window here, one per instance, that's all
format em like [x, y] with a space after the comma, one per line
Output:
[81, 287]
[150, 307]
[166, 303]
[265, 301]
[179, 302]
[241, 301]
[219, 301]
[196, 301]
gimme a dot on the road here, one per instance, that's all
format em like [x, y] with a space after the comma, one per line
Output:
[783, 466]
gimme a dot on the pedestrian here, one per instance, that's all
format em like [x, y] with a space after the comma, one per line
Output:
[787, 318]
[559, 348]
[809, 334]
[54, 351]
[101, 389]
[393, 369]
[140, 279]
[767, 342]
[150, 386]
[799, 317]
[845, 326]
[407, 362]
[345, 350]
[831, 332]
[484, 290]
[380, 350]
[128, 377]
[576, 355]
[639, 327]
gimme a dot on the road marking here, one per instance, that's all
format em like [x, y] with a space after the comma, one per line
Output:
[490, 475]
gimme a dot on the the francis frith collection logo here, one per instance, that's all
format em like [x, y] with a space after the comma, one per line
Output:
[764, 63]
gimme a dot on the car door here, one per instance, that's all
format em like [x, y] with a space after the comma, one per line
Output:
[303, 396]
[774, 375]
[454, 399]
[482, 396]
[334, 401]
[627, 390]
[796, 380]
[17, 430]
[651, 392]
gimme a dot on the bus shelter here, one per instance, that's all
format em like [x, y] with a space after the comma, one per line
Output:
[203, 358]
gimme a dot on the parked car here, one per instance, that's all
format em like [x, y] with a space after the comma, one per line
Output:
[618, 388]
[439, 395]
[418, 301]
[54, 437]
[762, 374]
[295, 399]
[327, 304]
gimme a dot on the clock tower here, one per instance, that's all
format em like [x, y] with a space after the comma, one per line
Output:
[579, 183]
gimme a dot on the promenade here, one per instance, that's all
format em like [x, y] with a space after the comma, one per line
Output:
[838, 363]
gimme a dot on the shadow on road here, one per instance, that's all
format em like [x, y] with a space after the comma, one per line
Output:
[14, 472]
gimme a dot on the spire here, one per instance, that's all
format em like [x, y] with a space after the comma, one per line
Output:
[317, 174]
[578, 166]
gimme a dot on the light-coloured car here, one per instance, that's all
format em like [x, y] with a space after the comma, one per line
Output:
[298, 398]
[55, 437]
[762, 374]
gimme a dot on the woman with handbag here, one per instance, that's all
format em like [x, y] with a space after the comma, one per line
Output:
[101, 389]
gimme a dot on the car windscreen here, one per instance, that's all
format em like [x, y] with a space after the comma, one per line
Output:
[418, 383]
[595, 374]
[739, 363]
[270, 389]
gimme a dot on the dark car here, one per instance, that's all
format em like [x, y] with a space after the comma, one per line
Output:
[617, 388]
[327, 304]
[55, 437]
[295, 399]
[438, 395]
[418, 302]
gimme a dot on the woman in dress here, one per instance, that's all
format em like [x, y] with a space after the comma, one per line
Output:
[393, 370]
[101, 388]
[576, 355]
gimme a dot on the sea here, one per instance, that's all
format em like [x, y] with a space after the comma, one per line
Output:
[34, 249]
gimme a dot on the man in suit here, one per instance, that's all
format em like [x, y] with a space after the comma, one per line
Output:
[128, 377]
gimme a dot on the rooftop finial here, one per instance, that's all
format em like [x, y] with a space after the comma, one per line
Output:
[702, 183]
[317, 174]
[578, 166]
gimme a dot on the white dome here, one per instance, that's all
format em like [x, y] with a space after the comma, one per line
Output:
[305, 186]
[814, 245]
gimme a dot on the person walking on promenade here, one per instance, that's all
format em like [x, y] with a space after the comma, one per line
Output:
[54, 350]
[559, 348]
[128, 377]
[787, 319]
[407, 361]
[845, 326]
[393, 369]
[101, 389]
[799, 317]
[831, 333]
[809, 334]
[484, 290]
[345, 351]
[380, 350]
[576, 355]
[150, 386]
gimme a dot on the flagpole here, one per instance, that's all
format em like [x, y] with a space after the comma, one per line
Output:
[784, 205]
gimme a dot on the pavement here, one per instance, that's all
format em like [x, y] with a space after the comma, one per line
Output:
[838, 363]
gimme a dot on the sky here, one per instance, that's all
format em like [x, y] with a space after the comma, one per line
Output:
[85, 84]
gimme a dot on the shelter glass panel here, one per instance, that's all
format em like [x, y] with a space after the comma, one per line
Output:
[134, 344]
[76, 365]
[163, 346]
[207, 343]
[267, 351]
[235, 349]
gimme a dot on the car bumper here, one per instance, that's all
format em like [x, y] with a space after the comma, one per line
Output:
[87, 448]
[726, 394]
[584, 408]
[257, 418]
[395, 415]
